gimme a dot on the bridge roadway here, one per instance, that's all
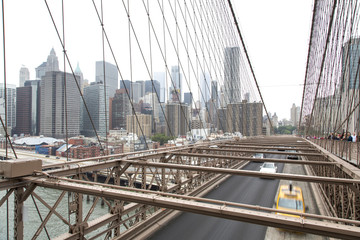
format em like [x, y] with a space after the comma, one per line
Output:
[241, 189]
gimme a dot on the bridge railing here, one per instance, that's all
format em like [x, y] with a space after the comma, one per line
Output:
[346, 150]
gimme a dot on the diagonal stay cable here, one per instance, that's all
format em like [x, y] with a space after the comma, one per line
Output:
[248, 59]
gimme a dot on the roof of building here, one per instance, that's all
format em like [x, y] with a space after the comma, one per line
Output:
[63, 148]
[32, 141]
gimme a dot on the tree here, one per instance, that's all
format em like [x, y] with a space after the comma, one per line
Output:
[285, 130]
[161, 138]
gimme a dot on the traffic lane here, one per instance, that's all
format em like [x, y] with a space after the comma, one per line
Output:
[241, 189]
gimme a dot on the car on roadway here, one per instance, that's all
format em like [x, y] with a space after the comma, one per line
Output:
[268, 167]
[290, 198]
[258, 156]
[292, 156]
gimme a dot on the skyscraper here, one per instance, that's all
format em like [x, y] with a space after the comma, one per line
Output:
[23, 110]
[350, 64]
[52, 64]
[27, 108]
[205, 89]
[95, 101]
[160, 76]
[135, 92]
[350, 83]
[119, 108]
[188, 98]
[294, 115]
[245, 118]
[175, 84]
[142, 88]
[178, 118]
[232, 82]
[24, 75]
[141, 124]
[214, 94]
[110, 76]
[35, 106]
[152, 87]
[10, 103]
[79, 73]
[52, 113]
[125, 84]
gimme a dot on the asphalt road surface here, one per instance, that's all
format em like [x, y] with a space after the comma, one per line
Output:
[241, 189]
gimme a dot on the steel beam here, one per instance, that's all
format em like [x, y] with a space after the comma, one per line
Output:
[251, 159]
[257, 217]
[303, 178]
[258, 151]
[18, 214]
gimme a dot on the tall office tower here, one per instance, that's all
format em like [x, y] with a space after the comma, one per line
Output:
[211, 114]
[10, 104]
[52, 107]
[151, 99]
[27, 108]
[142, 88]
[215, 94]
[188, 98]
[275, 121]
[350, 62]
[125, 83]
[160, 77]
[222, 99]
[350, 85]
[205, 89]
[152, 87]
[175, 85]
[95, 101]
[52, 64]
[294, 115]
[135, 92]
[23, 110]
[110, 76]
[245, 118]
[40, 70]
[232, 82]
[120, 107]
[178, 118]
[141, 124]
[79, 73]
[23, 76]
[221, 123]
[35, 106]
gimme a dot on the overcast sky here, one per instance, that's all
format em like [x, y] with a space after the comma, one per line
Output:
[276, 34]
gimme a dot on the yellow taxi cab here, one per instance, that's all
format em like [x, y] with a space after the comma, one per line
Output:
[290, 198]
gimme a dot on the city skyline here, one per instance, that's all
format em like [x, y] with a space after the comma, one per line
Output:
[24, 53]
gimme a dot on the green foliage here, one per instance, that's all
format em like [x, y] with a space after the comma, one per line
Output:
[160, 138]
[284, 130]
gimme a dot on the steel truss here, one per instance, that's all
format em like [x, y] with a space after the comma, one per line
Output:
[140, 189]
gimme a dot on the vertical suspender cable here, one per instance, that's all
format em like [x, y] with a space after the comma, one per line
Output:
[4, 56]
[104, 84]
[65, 85]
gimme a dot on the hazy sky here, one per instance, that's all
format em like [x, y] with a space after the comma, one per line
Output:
[276, 34]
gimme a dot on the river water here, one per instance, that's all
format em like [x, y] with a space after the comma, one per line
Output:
[55, 226]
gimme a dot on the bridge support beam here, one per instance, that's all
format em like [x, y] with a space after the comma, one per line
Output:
[18, 214]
